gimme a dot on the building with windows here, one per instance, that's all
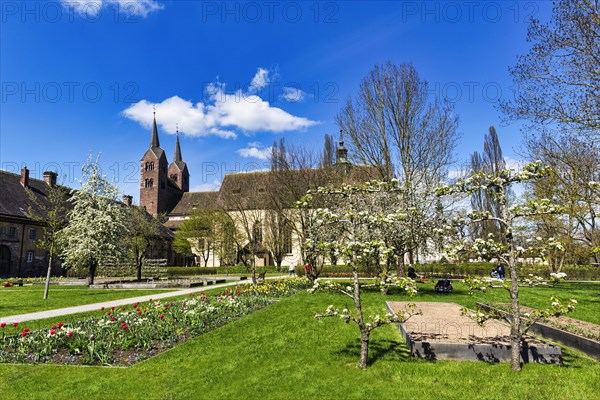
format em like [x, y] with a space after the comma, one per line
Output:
[260, 204]
[21, 198]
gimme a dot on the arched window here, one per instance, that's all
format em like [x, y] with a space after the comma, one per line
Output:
[149, 183]
[149, 166]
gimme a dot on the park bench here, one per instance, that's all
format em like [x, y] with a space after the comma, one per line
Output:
[155, 273]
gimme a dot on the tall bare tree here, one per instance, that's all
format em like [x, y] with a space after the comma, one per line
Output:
[394, 125]
[575, 164]
[559, 79]
[328, 152]
[490, 162]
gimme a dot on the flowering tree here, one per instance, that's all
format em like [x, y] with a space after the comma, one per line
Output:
[505, 248]
[359, 229]
[53, 215]
[96, 230]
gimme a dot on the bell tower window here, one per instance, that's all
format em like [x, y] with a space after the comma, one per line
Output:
[149, 183]
[150, 166]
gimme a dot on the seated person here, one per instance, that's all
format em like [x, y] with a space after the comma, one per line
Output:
[412, 273]
[443, 286]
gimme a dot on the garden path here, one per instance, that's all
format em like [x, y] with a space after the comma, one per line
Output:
[115, 303]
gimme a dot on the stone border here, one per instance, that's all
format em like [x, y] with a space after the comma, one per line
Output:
[588, 346]
[488, 352]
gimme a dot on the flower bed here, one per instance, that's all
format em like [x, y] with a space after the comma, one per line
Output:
[126, 335]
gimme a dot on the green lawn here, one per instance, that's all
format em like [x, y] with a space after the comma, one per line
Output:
[27, 299]
[281, 352]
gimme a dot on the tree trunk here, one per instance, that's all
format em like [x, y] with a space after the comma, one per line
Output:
[383, 274]
[139, 261]
[47, 284]
[364, 348]
[400, 265]
[91, 271]
[364, 332]
[515, 328]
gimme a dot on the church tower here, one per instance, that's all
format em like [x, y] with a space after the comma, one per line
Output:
[178, 171]
[341, 157]
[154, 195]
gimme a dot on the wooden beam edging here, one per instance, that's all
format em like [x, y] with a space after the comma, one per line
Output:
[588, 346]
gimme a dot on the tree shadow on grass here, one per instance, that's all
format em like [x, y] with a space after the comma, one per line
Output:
[381, 349]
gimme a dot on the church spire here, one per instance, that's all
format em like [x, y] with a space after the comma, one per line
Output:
[342, 152]
[154, 142]
[341, 159]
[177, 156]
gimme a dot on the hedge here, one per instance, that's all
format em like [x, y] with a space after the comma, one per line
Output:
[440, 270]
[575, 272]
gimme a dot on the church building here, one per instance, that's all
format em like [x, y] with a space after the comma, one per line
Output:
[246, 197]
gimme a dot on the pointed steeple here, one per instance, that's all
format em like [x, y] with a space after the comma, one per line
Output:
[177, 156]
[342, 152]
[154, 142]
[341, 156]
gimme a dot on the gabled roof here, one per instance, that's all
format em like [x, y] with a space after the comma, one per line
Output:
[188, 201]
[265, 189]
[14, 201]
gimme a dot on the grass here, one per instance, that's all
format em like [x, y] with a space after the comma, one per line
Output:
[27, 299]
[281, 352]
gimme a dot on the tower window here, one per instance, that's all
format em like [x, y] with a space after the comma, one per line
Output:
[149, 183]
[149, 166]
[174, 177]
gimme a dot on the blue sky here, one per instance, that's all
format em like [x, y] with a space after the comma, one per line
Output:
[80, 77]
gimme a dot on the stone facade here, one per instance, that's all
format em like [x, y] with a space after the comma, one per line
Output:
[19, 233]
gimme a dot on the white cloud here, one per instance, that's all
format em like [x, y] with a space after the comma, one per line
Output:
[255, 150]
[260, 80]
[221, 115]
[92, 8]
[292, 94]
[193, 119]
